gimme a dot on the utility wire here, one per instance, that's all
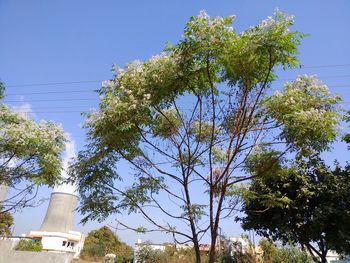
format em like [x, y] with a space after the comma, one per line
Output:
[50, 92]
[326, 66]
[42, 100]
[54, 83]
[94, 91]
[65, 107]
[95, 81]
[80, 111]
[90, 91]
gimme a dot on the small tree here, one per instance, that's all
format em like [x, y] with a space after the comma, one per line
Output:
[30, 156]
[187, 119]
[100, 242]
[307, 203]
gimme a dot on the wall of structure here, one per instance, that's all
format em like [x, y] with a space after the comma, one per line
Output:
[7, 255]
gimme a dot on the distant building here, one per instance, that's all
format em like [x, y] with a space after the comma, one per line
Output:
[238, 245]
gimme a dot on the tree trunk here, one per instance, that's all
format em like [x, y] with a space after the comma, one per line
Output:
[323, 257]
[212, 251]
[197, 251]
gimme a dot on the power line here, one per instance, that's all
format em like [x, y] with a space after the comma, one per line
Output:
[54, 83]
[94, 91]
[64, 107]
[327, 66]
[101, 80]
[81, 111]
[67, 111]
[42, 100]
[91, 99]
[49, 92]
[326, 77]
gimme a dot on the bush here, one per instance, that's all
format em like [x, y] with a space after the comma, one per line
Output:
[29, 245]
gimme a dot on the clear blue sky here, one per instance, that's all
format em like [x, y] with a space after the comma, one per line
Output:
[72, 41]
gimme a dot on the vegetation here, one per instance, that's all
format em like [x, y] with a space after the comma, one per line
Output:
[6, 222]
[267, 252]
[149, 255]
[273, 254]
[170, 254]
[187, 121]
[30, 155]
[307, 203]
[100, 242]
[29, 245]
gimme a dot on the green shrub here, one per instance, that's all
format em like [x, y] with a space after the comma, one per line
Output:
[29, 245]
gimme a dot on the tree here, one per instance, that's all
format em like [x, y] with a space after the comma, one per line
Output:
[186, 120]
[307, 203]
[30, 156]
[100, 242]
[6, 222]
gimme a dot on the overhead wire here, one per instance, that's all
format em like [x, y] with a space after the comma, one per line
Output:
[101, 80]
[88, 99]
[94, 91]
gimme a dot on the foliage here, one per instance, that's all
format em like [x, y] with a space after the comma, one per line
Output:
[29, 245]
[346, 137]
[273, 254]
[149, 255]
[171, 254]
[100, 242]
[190, 117]
[306, 203]
[306, 103]
[6, 222]
[30, 154]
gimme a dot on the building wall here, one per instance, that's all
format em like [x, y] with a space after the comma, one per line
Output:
[7, 255]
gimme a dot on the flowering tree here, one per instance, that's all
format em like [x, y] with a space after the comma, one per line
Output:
[187, 120]
[30, 156]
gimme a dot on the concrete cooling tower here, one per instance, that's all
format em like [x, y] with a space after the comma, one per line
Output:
[56, 231]
[60, 213]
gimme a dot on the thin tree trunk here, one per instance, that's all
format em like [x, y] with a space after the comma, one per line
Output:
[212, 252]
[197, 251]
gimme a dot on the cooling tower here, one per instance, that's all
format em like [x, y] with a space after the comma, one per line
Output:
[60, 213]
[3, 193]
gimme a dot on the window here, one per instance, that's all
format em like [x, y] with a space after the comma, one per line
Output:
[64, 243]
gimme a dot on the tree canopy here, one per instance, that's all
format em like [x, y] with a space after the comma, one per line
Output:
[30, 155]
[6, 222]
[103, 241]
[307, 203]
[187, 120]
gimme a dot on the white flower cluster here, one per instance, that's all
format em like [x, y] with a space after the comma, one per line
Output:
[279, 20]
[204, 27]
[25, 138]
